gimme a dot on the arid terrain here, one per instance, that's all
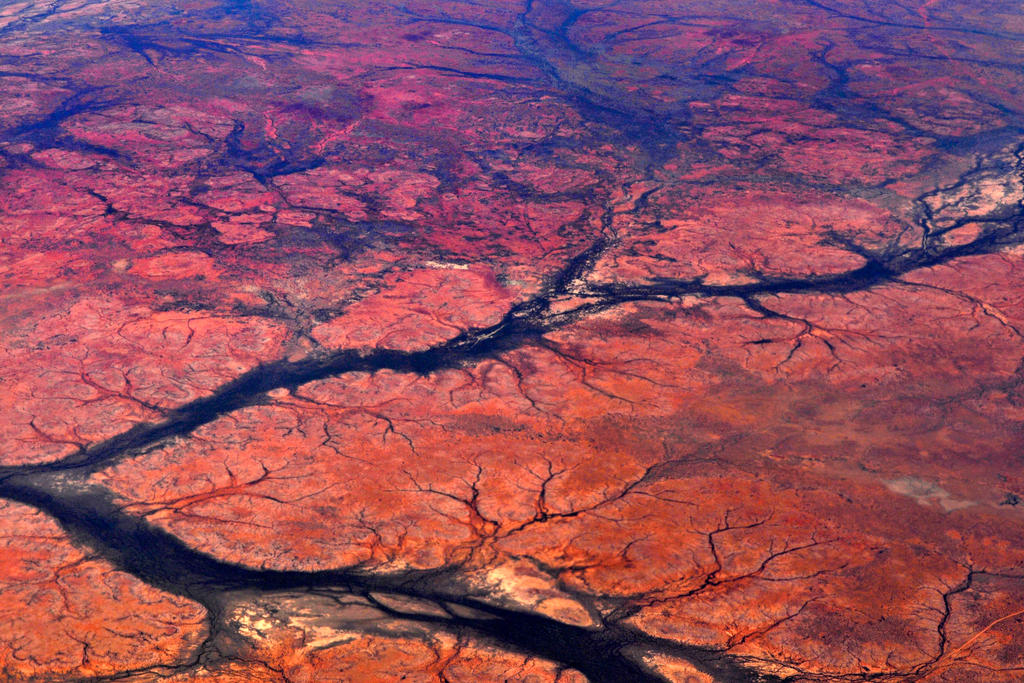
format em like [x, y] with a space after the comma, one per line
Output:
[512, 340]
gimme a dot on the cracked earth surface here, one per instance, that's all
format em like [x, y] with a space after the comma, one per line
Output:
[529, 340]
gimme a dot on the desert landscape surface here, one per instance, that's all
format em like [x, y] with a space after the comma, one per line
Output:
[512, 340]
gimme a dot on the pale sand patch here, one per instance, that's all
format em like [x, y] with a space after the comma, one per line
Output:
[927, 493]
